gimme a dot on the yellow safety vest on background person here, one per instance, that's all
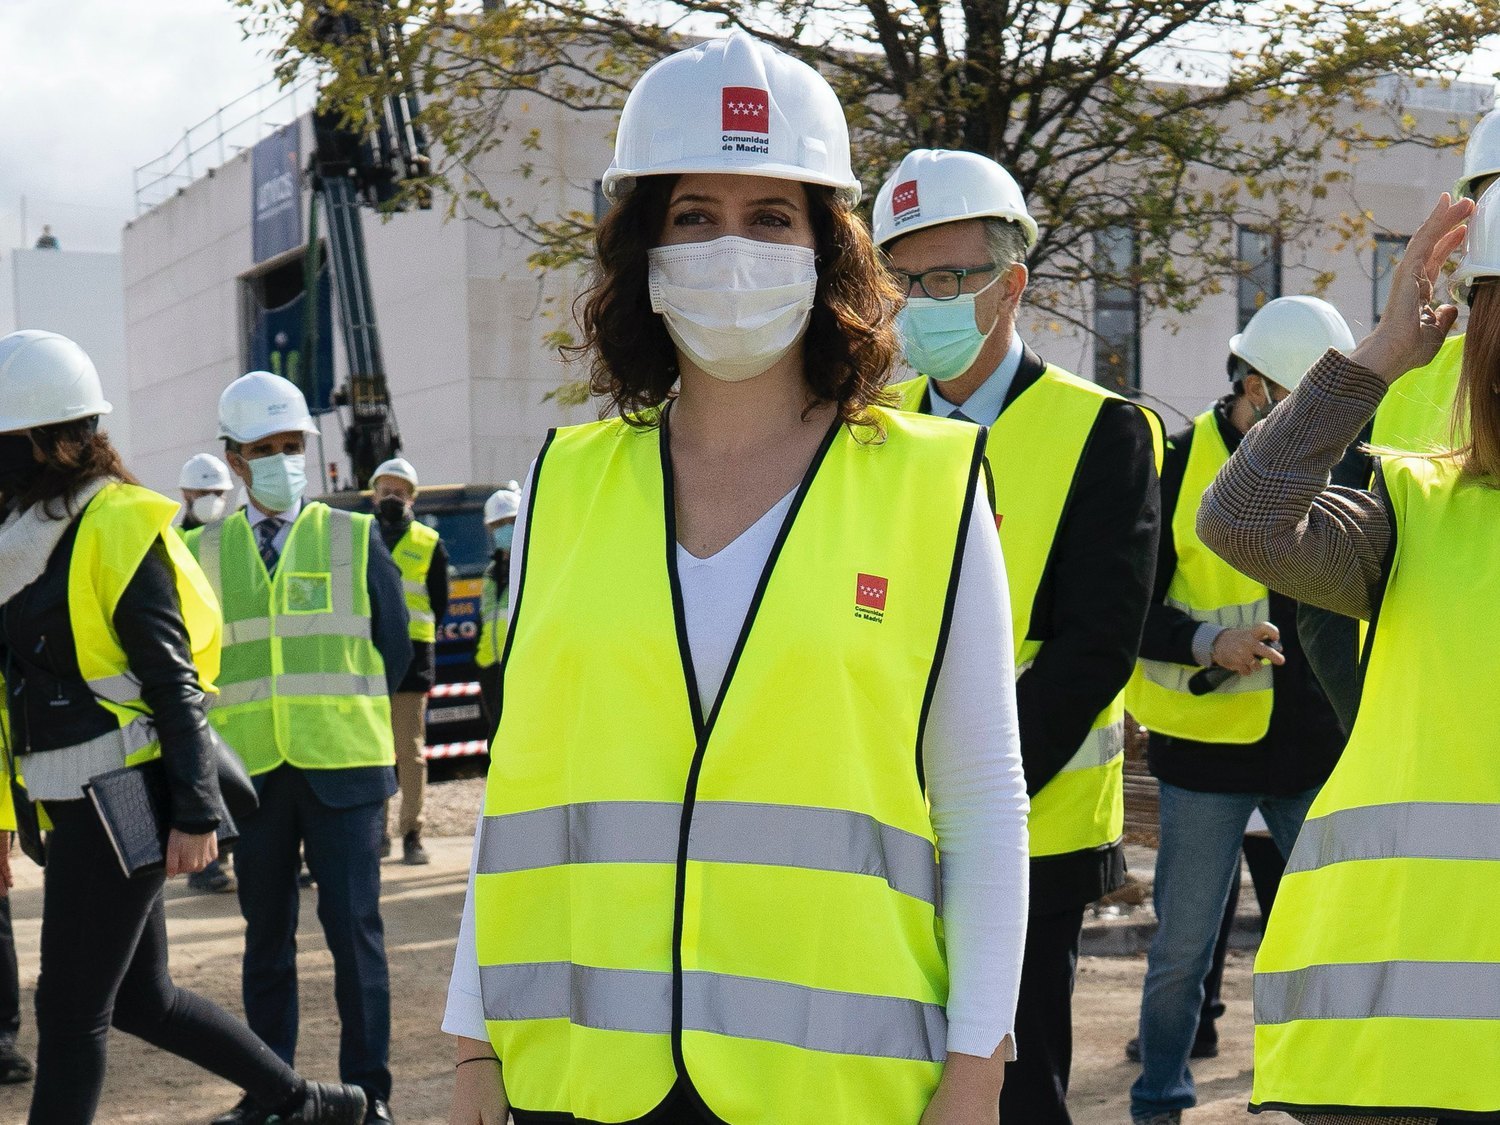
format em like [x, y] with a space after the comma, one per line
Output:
[115, 532]
[1208, 589]
[302, 680]
[1034, 449]
[1416, 414]
[777, 930]
[1378, 981]
[413, 555]
[494, 613]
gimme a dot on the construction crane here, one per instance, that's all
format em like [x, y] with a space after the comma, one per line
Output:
[351, 168]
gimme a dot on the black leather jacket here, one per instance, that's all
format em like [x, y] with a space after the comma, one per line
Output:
[52, 707]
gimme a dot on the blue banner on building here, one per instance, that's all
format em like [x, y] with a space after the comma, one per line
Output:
[278, 344]
[276, 196]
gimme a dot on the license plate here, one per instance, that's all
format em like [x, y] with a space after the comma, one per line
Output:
[463, 713]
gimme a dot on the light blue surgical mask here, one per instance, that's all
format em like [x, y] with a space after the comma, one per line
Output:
[277, 482]
[941, 339]
[503, 536]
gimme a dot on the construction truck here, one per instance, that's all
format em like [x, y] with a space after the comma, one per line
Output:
[456, 726]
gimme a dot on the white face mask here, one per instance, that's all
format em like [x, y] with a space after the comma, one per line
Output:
[208, 508]
[734, 305]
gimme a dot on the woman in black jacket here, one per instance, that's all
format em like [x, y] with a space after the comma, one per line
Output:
[104, 623]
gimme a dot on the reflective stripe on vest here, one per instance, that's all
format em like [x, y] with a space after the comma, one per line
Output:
[413, 554]
[1207, 589]
[1416, 415]
[118, 528]
[762, 869]
[303, 681]
[1382, 946]
[1034, 449]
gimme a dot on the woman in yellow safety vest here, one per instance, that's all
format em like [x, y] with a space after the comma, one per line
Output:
[730, 747]
[109, 636]
[1377, 988]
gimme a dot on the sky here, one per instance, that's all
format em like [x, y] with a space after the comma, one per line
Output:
[95, 88]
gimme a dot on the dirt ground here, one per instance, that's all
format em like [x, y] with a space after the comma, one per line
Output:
[421, 909]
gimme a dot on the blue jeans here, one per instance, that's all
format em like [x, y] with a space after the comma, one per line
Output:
[1198, 858]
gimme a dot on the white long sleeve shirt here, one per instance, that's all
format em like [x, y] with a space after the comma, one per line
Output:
[971, 756]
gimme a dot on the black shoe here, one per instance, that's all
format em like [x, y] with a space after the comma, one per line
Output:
[379, 1112]
[328, 1104]
[1201, 1050]
[213, 879]
[385, 845]
[14, 1066]
[413, 854]
[245, 1112]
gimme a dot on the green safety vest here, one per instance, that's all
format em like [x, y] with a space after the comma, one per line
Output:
[1034, 449]
[117, 529]
[1378, 982]
[302, 681]
[413, 554]
[1416, 415]
[494, 614]
[1206, 588]
[776, 931]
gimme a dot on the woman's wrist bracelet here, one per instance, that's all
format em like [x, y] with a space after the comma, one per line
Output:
[476, 1058]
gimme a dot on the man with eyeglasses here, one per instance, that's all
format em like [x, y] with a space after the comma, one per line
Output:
[1077, 506]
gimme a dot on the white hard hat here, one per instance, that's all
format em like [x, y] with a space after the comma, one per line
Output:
[935, 185]
[733, 105]
[45, 379]
[1481, 257]
[1288, 335]
[505, 504]
[1481, 154]
[260, 403]
[204, 472]
[398, 467]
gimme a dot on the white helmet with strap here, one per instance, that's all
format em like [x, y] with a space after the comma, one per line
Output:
[503, 504]
[1288, 335]
[46, 379]
[398, 467]
[260, 404]
[935, 185]
[733, 105]
[1481, 258]
[1481, 154]
[203, 472]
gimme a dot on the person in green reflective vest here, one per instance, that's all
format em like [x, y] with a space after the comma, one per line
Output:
[423, 560]
[1076, 503]
[1377, 986]
[500, 512]
[1238, 723]
[110, 638]
[316, 641]
[731, 741]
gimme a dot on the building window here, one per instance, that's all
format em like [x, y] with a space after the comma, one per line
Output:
[1388, 251]
[1259, 254]
[1117, 311]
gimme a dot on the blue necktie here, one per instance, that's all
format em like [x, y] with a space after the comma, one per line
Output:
[266, 531]
[960, 416]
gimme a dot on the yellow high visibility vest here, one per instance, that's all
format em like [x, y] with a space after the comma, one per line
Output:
[117, 529]
[494, 614]
[1207, 588]
[1416, 415]
[1378, 982]
[745, 899]
[302, 682]
[413, 554]
[1034, 448]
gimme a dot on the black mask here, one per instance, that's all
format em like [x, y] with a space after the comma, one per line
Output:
[18, 467]
[392, 509]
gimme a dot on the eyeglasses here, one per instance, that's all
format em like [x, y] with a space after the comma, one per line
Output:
[940, 284]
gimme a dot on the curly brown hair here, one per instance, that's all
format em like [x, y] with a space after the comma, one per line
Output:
[76, 453]
[848, 349]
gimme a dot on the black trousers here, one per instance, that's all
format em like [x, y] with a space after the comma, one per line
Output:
[104, 962]
[1036, 1084]
[343, 854]
[10, 976]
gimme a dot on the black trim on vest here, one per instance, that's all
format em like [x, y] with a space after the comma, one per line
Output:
[515, 604]
[1366, 1112]
[971, 494]
[704, 727]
